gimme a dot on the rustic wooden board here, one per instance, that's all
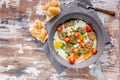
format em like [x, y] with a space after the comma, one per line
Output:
[21, 57]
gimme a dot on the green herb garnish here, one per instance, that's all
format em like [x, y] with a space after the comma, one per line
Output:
[68, 54]
[74, 40]
[83, 49]
[85, 36]
[62, 34]
[76, 21]
[73, 30]
[79, 54]
[71, 44]
[82, 32]
[63, 46]
[66, 33]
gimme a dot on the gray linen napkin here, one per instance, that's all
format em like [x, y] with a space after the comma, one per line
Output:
[59, 67]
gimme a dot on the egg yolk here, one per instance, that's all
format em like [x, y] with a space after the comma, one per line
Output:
[58, 44]
[81, 37]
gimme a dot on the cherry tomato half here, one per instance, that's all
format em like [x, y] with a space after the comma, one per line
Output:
[94, 51]
[67, 39]
[76, 34]
[88, 28]
[75, 50]
[82, 44]
[72, 59]
[59, 28]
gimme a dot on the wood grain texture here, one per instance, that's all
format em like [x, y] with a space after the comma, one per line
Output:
[21, 57]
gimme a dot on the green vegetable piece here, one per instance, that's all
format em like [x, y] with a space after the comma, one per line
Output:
[82, 32]
[68, 54]
[83, 49]
[76, 21]
[79, 54]
[73, 30]
[85, 36]
[63, 46]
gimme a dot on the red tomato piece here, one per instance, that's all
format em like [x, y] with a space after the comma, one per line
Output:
[76, 34]
[59, 28]
[82, 44]
[75, 50]
[67, 39]
[88, 28]
[94, 51]
[68, 58]
[72, 60]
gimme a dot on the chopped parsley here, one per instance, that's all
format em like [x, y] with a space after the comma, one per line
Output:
[68, 54]
[76, 21]
[85, 36]
[71, 44]
[66, 33]
[82, 32]
[74, 40]
[73, 30]
[83, 49]
[62, 35]
[79, 54]
[63, 46]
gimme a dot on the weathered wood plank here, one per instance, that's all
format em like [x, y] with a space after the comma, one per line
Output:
[21, 57]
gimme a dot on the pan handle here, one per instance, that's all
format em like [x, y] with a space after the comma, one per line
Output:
[96, 71]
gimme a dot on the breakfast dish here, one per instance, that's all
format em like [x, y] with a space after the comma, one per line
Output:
[75, 41]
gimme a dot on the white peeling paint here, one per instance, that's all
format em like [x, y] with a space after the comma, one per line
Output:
[39, 9]
[115, 24]
[9, 29]
[35, 62]
[8, 3]
[20, 51]
[27, 47]
[29, 70]
[28, 58]
[29, 0]
[14, 2]
[29, 11]
[32, 70]
[10, 67]
[2, 69]
[7, 77]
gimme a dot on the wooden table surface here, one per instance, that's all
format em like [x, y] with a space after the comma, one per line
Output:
[21, 57]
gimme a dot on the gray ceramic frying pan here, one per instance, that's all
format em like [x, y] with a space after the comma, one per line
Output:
[89, 20]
